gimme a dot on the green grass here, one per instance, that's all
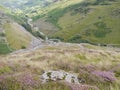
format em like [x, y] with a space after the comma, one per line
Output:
[17, 38]
[4, 48]
[80, 18]
[5, 69]
[86, 25]
[54, 86]
[43, 11]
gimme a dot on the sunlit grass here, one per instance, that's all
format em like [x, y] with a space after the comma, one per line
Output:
[17, 38]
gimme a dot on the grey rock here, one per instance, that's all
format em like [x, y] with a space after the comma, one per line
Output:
[59, 75]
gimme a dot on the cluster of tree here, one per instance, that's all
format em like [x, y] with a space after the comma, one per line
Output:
[39, 34]
[102, 29]
[2, 34]
[77, 39]
[81, 10]
[56, 37]
[27, 27]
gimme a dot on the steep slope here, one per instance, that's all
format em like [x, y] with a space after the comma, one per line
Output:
[97, 27]
[90, 21]
[12, 35]
[4, 48]
[16, 35]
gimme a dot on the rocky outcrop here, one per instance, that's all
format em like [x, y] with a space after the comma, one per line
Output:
[60, 75]
[70, 79]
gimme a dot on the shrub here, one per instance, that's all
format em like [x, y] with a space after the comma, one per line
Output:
[20, 82]
[9, 84]
[28, 80]
[115, 12]
[23, 47]
[82, 57]
[116, 70]
[5, 69]
[2, 34]
[27, 27]
[54, 86]
[62, 65]
[57, 37]
[102, 29]
[106, 75]
[39, 34]
[101, 2]
[77, 39]
[81, 10]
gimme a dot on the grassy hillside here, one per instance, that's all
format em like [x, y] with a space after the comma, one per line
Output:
[93, 21]
[53, 8]
[97, 66]
[98, 26]
[4, 48]
[89, 21]
[13, 36]
[16, 36]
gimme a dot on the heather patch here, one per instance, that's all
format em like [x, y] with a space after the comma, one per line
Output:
[106, 75]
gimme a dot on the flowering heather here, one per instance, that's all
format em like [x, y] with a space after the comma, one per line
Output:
[28, 80]
[2, 65]
[106, 75]
[82, 87]
[2, 78]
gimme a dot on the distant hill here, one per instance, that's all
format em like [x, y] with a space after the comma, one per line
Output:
[12, 3]
[93, 21]
[26, 3]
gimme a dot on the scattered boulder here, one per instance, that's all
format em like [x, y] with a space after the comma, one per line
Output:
[60, 75]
